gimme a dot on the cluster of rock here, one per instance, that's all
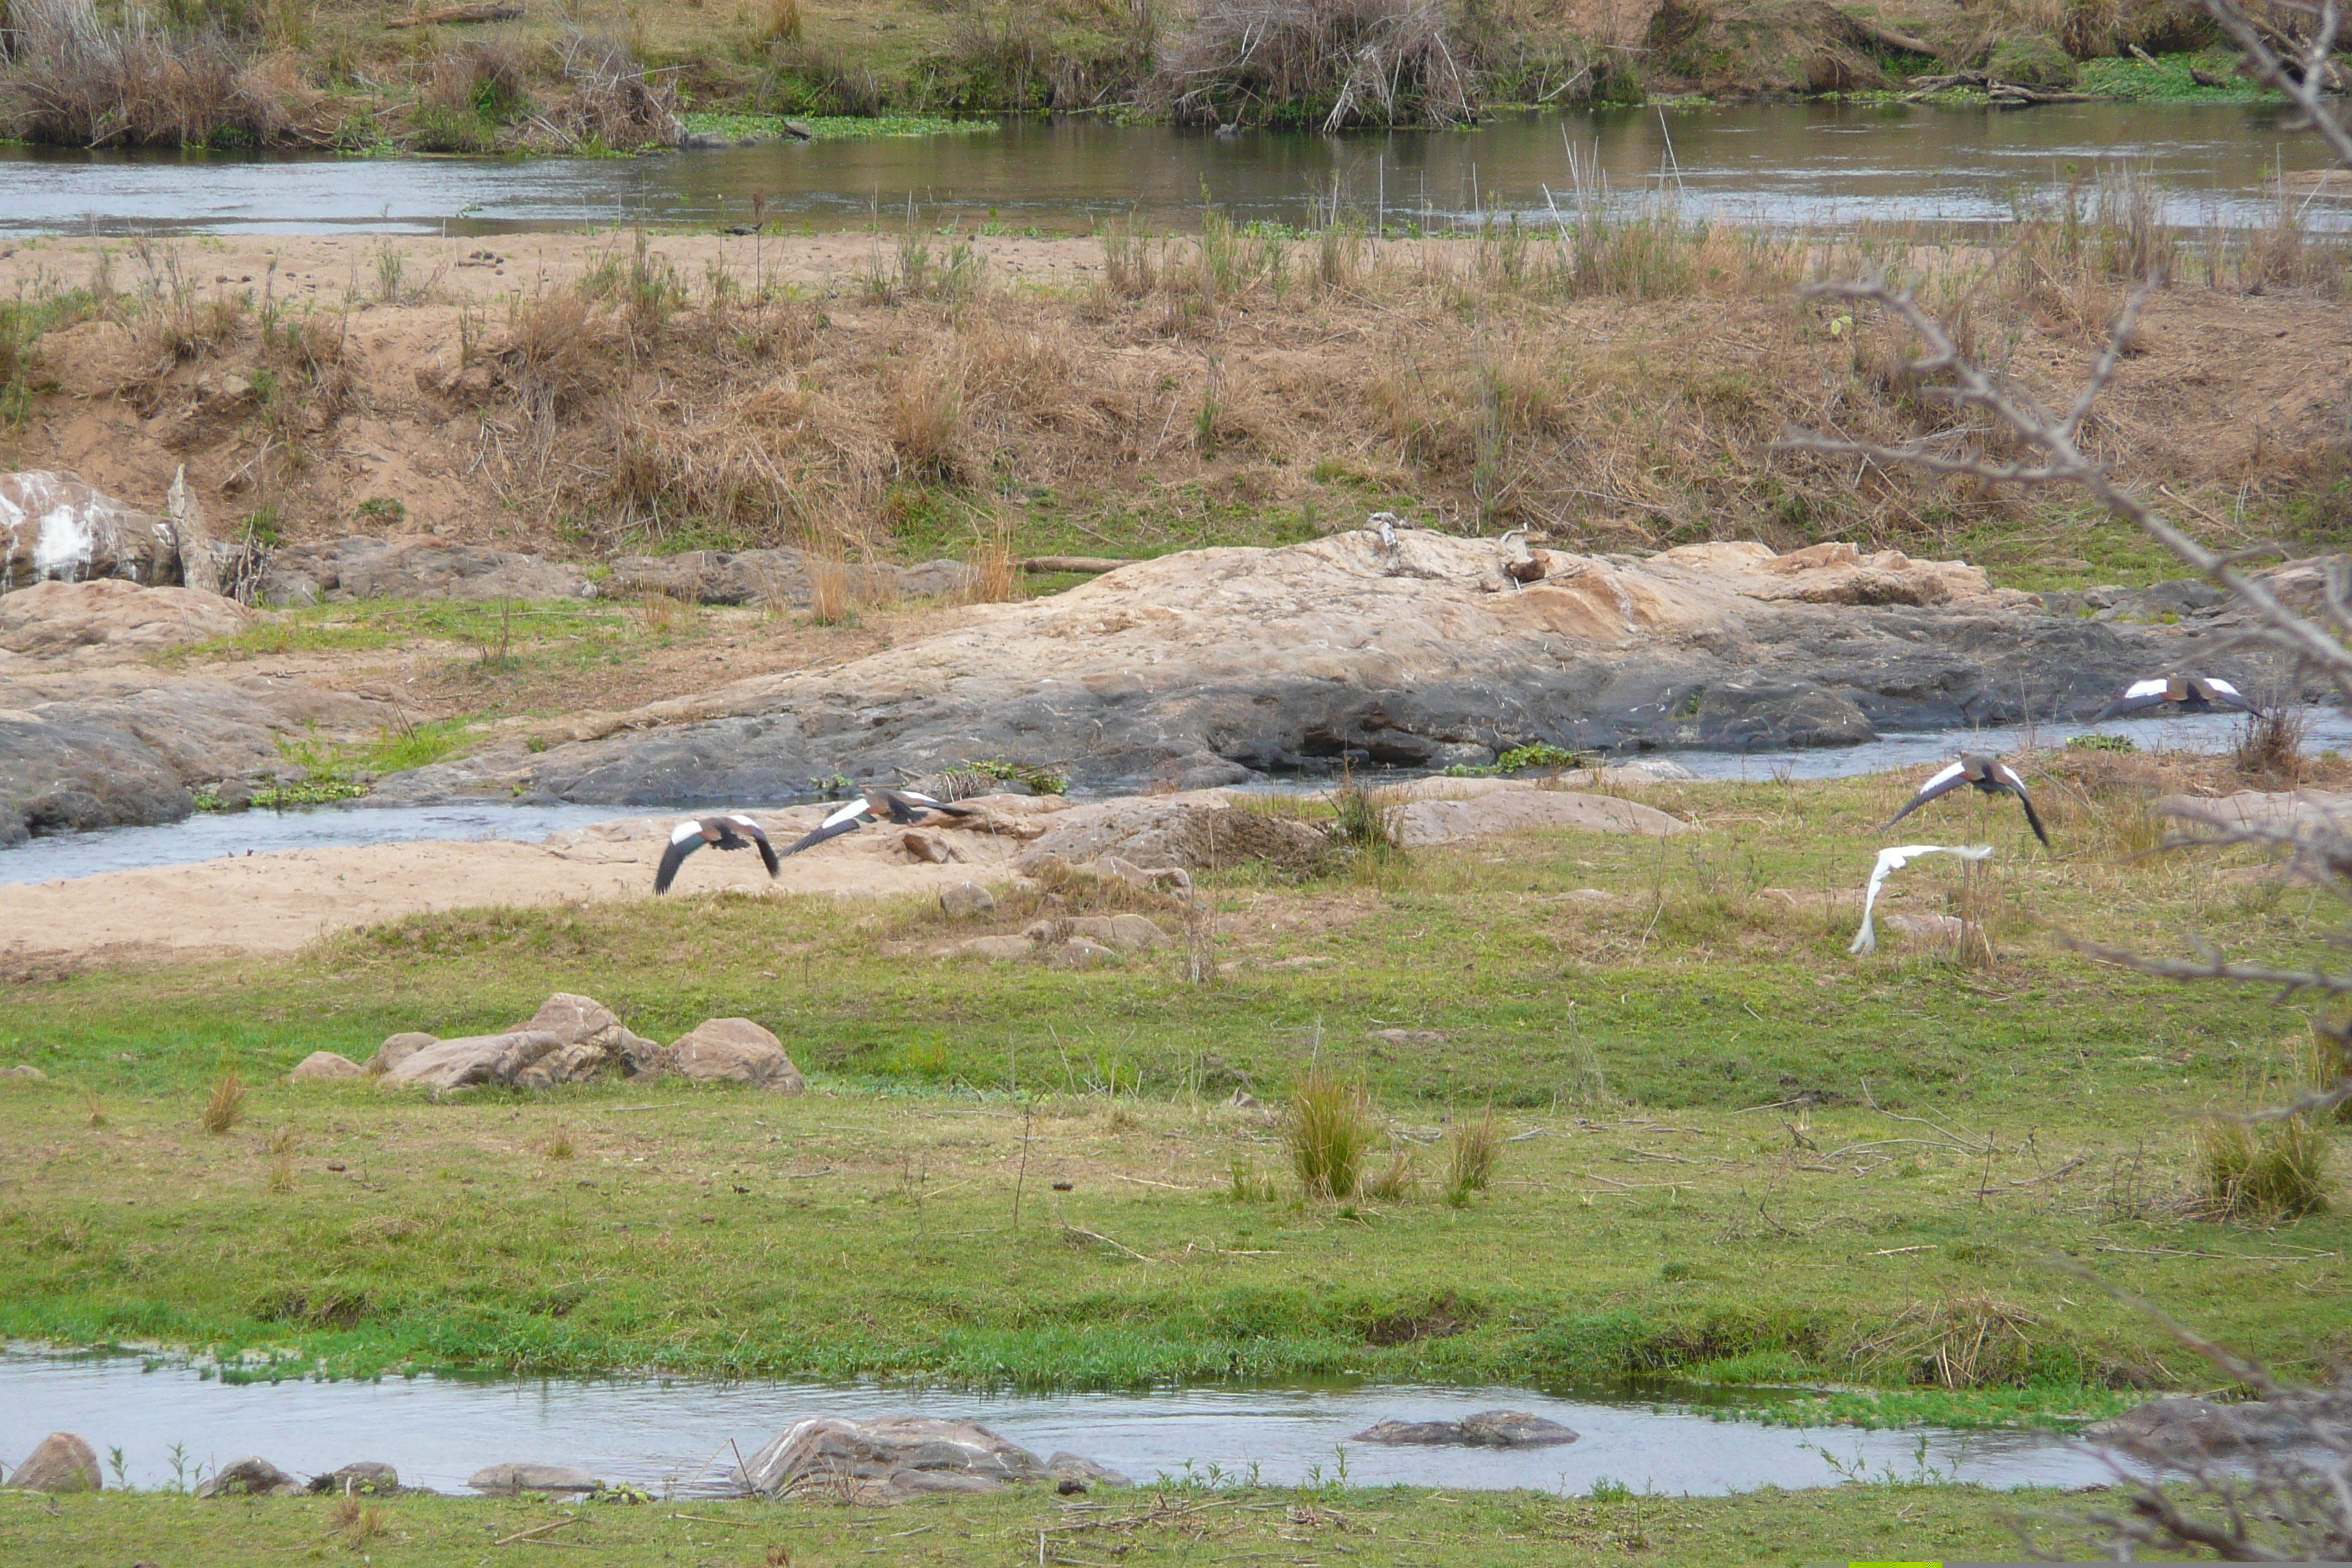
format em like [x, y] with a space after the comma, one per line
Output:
[1072, 941]
[65, 1462]
[571, 1040]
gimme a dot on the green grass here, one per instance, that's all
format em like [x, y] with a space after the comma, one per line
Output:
[1648, 1222]
[2168, 81]
[1396, 1526]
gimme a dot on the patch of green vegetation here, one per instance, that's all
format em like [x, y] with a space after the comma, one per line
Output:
[733, 127]
[2032, 60]
[310, 791]
[1044, 781]
[1518, 759]
[1695, 1087]
[1384, 1528]
[2102, 743]
[2172, 80]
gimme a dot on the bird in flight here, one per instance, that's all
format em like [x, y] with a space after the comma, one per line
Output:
[903, 806]
[2194, 693]
[730, 832]
[1989, 774]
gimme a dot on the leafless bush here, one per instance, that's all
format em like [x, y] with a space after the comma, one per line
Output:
[1335, 63]
[81, 82]
[614, 101]
[2270, 1479]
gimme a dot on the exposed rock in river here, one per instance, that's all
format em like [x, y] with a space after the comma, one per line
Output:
[1220, 662]
[251, 1477]
[1486, 1429]
[525, 1477]
[889, 1458]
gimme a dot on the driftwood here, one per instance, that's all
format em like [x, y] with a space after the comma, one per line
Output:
[1893, 37]
[451, 15]
[2010, 92]
[1044, 563]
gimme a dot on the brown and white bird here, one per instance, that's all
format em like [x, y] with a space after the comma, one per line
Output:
[729, 832]
[2193, 693]
[1989, 774]
[903, 806]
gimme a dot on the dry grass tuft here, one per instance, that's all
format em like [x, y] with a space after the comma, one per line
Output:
[1327, 63]
[996, 577]
[614, 101]
[226, 1108]
[281, 1141]
[1327, 1129]
[783, 23]
[2261, 1172]
[1968, 1342]
[925, 407]
[93, 1108]
[558, 1144]
[1247, 1184]
[1473, 1149]
[281, 1174]
[1395, 1180]
[2270, 745]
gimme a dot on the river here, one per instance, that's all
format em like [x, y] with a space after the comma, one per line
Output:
[1780, 164]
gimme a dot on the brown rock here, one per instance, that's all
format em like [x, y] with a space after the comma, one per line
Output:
[529, 1477]
[111, 617]
[396, 1049]
[736, 1051]
[582, 1021]
[996, 949]
[1079, 953]
[61, 1462]
[321, 1065]
[967, 900]
[927, 848]
[1522, 810]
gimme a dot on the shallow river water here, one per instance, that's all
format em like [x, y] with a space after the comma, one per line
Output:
[213, 837]
[684, 1434]
[1777, 163]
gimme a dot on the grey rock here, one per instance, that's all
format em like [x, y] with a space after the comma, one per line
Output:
[249, 1477]
[1461, 754]
[25, 1070]
[888, 1459]
[1486, 1429]
[996, 949]
[595, 1040]
[60, 1462]
[54, 527]
[474, 1060]
[524, 1477]
[2188, 1426]
[771, 577]
[736, 1051]
[967, 900]
[367, 1477]
[416, 567]
[1071, 1467]
[571, 1040]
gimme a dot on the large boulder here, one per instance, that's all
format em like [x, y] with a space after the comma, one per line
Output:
[1196, 832]
[1427, 822]
[110, 618]
[735, 1050]
[60, 1462]
[1351, 647]
[367, 1477]
[594, 1038]
[571, 1040]
[55, 527]
[2187, 1426]
[251, 1477]
[888, 1458]
[471, 1061]
[398, 1048]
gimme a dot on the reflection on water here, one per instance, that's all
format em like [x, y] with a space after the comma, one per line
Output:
[1810, 164]
[657, 1432]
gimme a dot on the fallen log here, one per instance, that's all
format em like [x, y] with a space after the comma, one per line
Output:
[2010, 92]
[449, 15]
[1893, 37]
[1048, 563]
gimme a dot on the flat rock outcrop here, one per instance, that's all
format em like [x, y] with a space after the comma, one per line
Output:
[111, 618]
[888, 1458]
[415, 566]
[526, 1476]
[1203, 666]
[772, 576]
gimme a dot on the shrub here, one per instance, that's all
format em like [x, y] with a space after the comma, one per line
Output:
[1327, 1129]
[2258, 1172]
[1328, 64]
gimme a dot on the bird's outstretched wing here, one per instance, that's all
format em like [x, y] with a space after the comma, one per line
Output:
[1951, 778]
[684, 840]
[2221, 694]
[759, 840]
[2006, 776]
[845, 820]
[2138, 695]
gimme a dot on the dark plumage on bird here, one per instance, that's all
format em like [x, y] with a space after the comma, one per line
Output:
[1989, 774]
[2191, 693]
[902, 806]
[729, 832]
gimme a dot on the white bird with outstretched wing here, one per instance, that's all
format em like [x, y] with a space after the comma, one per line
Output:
[1895, 860]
